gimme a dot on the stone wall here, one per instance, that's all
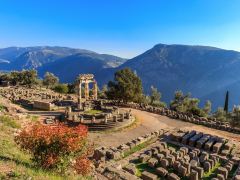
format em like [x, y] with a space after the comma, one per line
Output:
[43, 105]
[209, 122]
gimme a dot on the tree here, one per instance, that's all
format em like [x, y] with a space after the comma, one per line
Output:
[220, 114]
[191, 106]
[30, 77]
[126, 87]
[5, 78]
[155, 95]
[178, 101]
[25, 77]
[226, 102]
[207, 107]
[61, 88]
[16, 78]
[186, 104]
[155, 98]
[50, 80]
[39, 82]
[72, 88]
[235, 116]
[103, 92]
[146, 99]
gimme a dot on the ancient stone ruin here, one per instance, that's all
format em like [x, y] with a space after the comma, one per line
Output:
[106, 116]
[33, 98]
[172, 155]
[85, 79]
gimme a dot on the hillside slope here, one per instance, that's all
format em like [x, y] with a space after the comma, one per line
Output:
[200, 70]
[68, 68]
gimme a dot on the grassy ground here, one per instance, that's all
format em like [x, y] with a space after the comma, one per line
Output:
[138, 148]
[114, 130]
[211, 173]
[173, 146]
[143, 167]
[92, 112]
[33, 118]
[14, 164]
[7, 121]
[1, 107]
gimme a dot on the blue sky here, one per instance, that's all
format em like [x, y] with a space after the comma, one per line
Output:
[125, 28]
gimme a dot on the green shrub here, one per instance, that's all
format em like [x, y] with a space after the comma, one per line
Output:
[61, 88]
[220, 114]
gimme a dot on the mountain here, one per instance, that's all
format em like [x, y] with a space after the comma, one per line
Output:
[69, 67]
[15, 58]
[11, 53]
[206, 72]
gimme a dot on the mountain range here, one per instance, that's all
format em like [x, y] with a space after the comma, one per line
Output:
[206, 72]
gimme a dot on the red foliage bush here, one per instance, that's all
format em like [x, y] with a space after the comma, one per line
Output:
[55, 146]
[82, 165]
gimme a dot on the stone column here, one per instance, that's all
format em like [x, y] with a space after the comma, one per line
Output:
[80, 95]
[114, 118]
[69, 109]
[93, 119]
[106, 119]
[86, 91]
[95, 90]
[81, 119]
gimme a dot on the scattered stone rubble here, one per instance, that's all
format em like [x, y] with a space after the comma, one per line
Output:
[171, 155]
[31, 97]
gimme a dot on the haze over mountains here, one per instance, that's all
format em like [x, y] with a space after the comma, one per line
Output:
[206, 72]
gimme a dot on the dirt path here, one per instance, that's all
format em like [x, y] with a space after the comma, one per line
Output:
[148, 122]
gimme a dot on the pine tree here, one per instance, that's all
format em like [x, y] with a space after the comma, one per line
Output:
[226, 102]
[126, 87]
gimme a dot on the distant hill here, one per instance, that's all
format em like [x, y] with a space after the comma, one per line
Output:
[206, 72]
[69, 67]
[200, 70]
[17, 58]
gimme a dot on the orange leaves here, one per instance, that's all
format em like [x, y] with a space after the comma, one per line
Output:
[82, 165]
